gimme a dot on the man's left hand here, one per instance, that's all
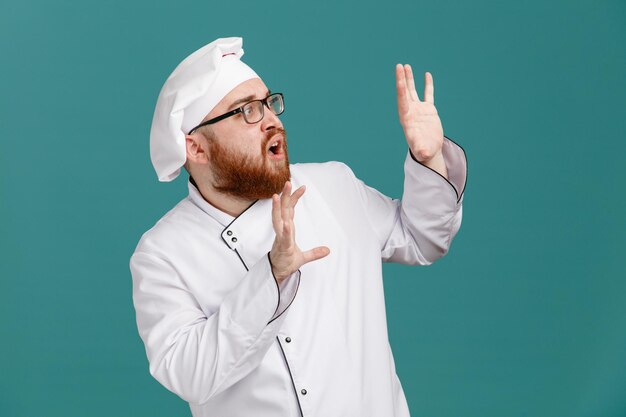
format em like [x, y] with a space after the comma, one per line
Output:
[419, 119]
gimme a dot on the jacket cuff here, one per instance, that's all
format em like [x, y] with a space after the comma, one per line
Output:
[456, 164]
[287, 290]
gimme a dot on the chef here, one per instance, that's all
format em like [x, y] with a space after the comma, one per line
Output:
[261, 292]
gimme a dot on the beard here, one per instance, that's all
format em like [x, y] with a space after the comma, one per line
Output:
[249, 177]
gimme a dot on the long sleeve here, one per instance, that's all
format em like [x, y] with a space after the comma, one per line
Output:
[196, 355]
[419, 228]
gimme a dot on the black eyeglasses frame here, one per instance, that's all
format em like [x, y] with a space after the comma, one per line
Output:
[240, 110]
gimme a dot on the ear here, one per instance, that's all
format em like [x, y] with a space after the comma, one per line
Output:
[196, 152]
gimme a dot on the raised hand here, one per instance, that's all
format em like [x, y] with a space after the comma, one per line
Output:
[285, 256]
[419, 119]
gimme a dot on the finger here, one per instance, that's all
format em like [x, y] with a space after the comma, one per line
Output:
[401, 83]
[284, 200]
[296, 196]
[315, 254]
[429, 88]
[276, 217]
[286, 190]
[401, 90]
[289, 227]
[288, 238]
[410, 82]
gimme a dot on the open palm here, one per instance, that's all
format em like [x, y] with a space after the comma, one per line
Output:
[419, 119]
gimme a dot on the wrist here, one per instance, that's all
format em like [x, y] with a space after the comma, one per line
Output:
[437, 163]
[279, 276]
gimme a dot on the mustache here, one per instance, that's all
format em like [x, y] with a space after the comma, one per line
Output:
[270, 135]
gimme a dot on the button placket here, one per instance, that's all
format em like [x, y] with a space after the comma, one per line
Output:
[230, 238]
[300, 391]
[303, 391]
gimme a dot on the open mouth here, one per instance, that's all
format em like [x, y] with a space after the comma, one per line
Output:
[275, 148]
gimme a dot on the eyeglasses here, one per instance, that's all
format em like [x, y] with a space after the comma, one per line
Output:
[252, 111]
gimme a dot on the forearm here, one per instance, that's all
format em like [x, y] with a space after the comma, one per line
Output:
[196, 355]
[430, 212]
[432, 202]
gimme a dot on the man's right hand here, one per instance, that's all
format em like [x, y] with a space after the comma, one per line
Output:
[285, 256]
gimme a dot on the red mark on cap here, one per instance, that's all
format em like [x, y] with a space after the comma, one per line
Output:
[232, 53]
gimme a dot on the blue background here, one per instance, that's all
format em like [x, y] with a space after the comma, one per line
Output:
[526, 316]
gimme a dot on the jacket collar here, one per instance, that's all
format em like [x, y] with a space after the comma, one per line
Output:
[195, 196]
[248, 233]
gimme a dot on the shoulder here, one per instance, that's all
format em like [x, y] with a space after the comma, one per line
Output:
[335, 181]
[174, 229]
[329, 172]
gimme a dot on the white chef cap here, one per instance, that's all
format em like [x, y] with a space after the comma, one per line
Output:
[188, 95]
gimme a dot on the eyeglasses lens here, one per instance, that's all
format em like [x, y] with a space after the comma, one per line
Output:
[253, 111]
[276, 104]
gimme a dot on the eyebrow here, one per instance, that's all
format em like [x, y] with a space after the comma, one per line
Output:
[245, 100]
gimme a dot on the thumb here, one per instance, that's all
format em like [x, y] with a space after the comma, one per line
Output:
[315, 254]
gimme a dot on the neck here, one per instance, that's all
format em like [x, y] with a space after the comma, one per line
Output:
[228, 204]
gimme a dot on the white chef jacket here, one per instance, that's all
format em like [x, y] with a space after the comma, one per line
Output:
[221, 334]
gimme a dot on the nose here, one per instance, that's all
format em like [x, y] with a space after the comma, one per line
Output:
[270, 120]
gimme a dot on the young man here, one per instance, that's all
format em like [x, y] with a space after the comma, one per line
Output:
[236, 318]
